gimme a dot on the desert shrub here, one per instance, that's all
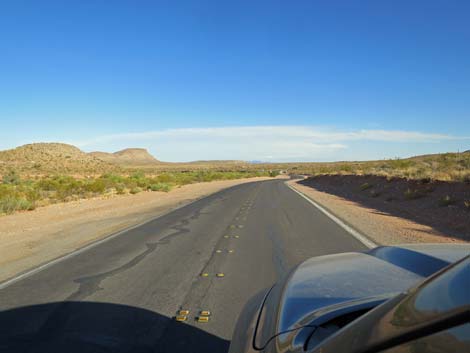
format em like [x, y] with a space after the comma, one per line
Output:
[135, 190]
[32, 194]
[138, 175]
[400, 163]
[11, 204]
[6, 190]
[110, 180]
[120, 189]
[18, 194]
[47, 184]
[12, 177]
[97, 186]
[446, 201]
[412, 194]
[165, 178]
[365, 186]
[185, 179]
[346, 168]
[160, 187]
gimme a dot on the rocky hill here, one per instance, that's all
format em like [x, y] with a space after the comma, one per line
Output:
[127, 157]
[57, 158]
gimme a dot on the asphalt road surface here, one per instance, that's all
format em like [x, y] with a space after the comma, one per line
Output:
[122, 295]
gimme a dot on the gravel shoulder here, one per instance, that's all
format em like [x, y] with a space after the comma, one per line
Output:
[381, 227]
[31, 238]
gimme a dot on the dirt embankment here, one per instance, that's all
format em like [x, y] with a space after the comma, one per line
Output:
[31, 238]
[395, 210]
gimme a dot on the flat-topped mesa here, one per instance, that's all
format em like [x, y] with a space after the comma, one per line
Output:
[128, 156]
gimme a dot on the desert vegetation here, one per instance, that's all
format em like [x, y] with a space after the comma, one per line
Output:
[443, 167]
[19, 193]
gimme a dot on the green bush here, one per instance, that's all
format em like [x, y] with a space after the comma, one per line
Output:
[17, 194]
[12, 177]
[160, 187]
[120, 189]
[135, 190]
[11, 204]
[97, 186]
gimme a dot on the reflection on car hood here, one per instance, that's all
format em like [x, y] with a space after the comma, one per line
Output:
[333, 281]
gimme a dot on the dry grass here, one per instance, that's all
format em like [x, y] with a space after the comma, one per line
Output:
[444, 167]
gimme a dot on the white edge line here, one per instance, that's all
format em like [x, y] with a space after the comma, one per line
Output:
[370, 244]
[39, 268]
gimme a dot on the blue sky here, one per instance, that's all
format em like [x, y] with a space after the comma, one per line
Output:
[255, 80]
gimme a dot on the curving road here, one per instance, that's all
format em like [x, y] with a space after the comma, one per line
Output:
[122, 295]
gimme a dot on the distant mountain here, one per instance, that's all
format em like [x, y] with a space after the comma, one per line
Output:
[257, 162]
[54, 158]
[218, 161]
[127, 157]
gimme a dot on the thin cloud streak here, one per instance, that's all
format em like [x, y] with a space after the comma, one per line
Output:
[254, 142]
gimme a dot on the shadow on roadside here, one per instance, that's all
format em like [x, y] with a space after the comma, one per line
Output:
[99, 327]
[387, 197]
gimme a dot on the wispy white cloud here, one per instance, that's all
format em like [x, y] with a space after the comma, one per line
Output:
[253, 142]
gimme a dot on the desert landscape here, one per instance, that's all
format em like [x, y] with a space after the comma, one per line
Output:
[234, 176]
[433, 190]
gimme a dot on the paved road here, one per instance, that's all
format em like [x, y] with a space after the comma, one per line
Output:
[121, 295]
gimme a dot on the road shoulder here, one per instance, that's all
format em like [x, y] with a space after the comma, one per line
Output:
[380, 227]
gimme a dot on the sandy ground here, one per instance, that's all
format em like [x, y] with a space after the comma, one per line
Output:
[31, 238]
[380, 227]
